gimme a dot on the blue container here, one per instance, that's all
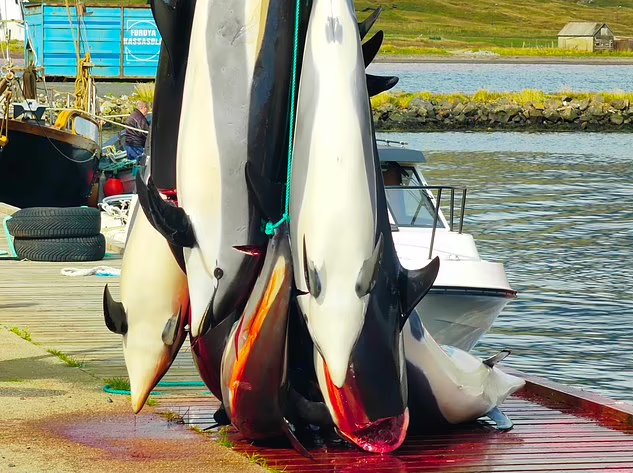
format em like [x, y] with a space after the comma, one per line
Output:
[123, 42]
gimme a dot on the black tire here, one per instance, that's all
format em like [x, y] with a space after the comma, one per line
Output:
[61, 249]
[55, 222]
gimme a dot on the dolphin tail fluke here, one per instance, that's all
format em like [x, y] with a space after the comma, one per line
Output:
[493, 360]
[365, 25]
[266, 195]
[378, 84]
[172, 222]
[501, 420]
[414, 284]
[371, 47]
[285, 426]
[114, 313]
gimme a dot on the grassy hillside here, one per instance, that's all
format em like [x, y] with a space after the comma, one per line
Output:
[434, 26]
[454, 24]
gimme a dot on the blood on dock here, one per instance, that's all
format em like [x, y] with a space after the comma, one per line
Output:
[556, 428]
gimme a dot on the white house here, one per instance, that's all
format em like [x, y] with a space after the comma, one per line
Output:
[11, 17]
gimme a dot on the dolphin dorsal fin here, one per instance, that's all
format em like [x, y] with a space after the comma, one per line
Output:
[369, 271]
[414, 284]
[379, 84]
[170, 221]
[170, 331]
[114, 313]
[371, 47]
[365, 25]
[493, 360]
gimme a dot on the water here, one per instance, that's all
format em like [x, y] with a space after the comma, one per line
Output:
[444, 78]
[557, 210]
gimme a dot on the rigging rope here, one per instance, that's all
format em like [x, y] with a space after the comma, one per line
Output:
[270, 227]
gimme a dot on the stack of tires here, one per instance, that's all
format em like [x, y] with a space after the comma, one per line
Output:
[57, 234]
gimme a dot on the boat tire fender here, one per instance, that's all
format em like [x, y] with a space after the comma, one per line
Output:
[61, 249]
[55, 222]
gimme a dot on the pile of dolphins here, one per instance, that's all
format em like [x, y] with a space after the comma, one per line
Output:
[310, 324]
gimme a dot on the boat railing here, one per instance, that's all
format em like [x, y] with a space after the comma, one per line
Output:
[436, 201]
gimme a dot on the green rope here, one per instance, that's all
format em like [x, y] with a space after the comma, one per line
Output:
[270, 227]
[163, 384]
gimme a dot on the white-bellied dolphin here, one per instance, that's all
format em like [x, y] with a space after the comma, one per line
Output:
[254, 364]
[153, 310]
[235, 107]
[336, 244]
[450, 386]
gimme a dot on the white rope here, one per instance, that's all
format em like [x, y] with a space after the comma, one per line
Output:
[96, 271]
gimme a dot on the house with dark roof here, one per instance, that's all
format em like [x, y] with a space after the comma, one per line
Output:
[586, 36]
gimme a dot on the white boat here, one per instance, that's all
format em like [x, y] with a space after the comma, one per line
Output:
[469, 293]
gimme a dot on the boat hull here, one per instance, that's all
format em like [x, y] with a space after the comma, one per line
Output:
[46, 167]
[459, 317]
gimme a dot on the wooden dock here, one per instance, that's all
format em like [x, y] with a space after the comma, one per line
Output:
[556, 428]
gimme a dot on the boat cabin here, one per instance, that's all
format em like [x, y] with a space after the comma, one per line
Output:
[410, 199]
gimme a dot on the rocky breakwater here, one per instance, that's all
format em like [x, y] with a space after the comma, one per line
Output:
[554, 113]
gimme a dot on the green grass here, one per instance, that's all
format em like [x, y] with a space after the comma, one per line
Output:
[173, 417]
[435, 27]
[120, 384]
[69, 360]
[151, 402]
[22, 333]
[261, 461]
[402, 100]
[223, 437]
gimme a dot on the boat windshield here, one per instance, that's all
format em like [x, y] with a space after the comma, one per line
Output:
[409, 202]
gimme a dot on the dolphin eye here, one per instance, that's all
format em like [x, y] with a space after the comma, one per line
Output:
[218, 273]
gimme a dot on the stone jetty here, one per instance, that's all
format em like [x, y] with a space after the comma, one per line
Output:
[408, 112]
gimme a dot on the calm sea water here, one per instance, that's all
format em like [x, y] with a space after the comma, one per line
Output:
[557, 210]
[468, 78]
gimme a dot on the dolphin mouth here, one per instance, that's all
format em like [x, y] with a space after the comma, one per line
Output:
[381, 436]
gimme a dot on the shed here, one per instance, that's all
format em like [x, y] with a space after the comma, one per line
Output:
[123, 41]
[586, 36]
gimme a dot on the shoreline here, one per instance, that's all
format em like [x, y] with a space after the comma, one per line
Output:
[473, 59]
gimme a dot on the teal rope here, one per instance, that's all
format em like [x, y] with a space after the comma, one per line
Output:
[9, 236]
[270, 227]
[163, 384]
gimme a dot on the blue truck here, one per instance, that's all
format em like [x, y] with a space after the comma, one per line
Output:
[123, 41]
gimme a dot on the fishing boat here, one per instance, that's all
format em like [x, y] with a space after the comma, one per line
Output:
[47, 163]
[469, 292]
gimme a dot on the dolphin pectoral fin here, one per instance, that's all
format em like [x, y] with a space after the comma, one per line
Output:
[114, 313]
[367, 23]
[369, 271]
[267, 195]
[251, 250]
[378, 84]
[170, 221]
[414, 284]
[170, 331]
[371, 47]
[312, 412]
[179, 256]
[310, 273]
[501, 420]
[493, 360]
[285, 426]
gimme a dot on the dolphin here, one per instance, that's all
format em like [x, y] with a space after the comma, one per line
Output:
[235, 107]
[451, 386]
[254, 364]
[336, 243]
[153, 310]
